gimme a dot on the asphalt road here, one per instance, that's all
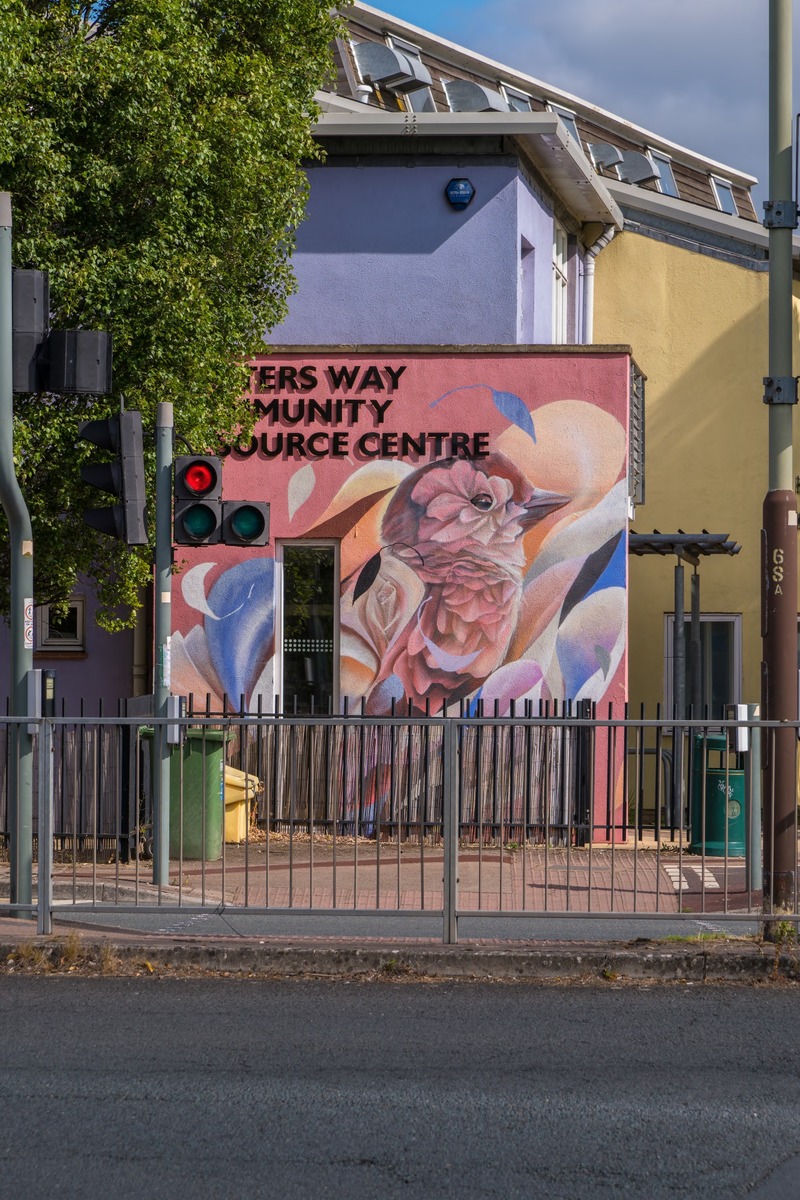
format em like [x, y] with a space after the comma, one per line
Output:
[166, 1088]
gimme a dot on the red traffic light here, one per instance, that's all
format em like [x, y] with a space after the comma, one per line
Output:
[199, 477]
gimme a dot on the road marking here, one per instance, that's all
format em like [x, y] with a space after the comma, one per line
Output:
[708, 880]
[679, 881]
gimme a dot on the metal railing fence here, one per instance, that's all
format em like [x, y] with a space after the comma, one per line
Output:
[458, 816]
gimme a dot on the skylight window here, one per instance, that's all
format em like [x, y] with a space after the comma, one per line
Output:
[569, 120]
[517, 102]
[420, 100]
[666, 184]
[724, 196]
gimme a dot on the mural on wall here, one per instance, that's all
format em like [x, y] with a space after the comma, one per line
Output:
[479, 506]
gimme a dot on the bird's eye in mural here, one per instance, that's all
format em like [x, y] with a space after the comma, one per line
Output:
[483, 501]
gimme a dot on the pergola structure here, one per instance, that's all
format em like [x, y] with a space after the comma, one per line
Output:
[687, 547]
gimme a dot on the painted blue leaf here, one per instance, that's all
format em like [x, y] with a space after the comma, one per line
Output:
[240, 641]
[515, 411]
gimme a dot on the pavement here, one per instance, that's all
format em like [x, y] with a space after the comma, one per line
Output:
[360, 910]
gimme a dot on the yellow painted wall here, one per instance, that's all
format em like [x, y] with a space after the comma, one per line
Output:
[698, 330]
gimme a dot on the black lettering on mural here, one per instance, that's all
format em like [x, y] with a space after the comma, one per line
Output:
[336, 410]
[372, 444]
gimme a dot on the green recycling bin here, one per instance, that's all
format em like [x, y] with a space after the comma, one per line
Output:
[202, 759]
[724, 801]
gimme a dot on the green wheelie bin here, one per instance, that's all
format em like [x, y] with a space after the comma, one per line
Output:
[724, 800]
[197, 771]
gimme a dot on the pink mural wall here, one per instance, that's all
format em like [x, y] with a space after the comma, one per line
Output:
[479, 506]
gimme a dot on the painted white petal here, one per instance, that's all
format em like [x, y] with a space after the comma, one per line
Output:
[193, 587]
[301, 485]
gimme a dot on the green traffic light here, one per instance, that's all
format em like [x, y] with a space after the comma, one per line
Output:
[247, 523]
[199, 521]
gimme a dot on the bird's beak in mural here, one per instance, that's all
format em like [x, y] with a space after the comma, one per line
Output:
[541, 504]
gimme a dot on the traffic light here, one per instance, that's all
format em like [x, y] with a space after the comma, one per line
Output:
[198, 503]
[65, 361]
[245, 523]
[123, 477]
[203, 518]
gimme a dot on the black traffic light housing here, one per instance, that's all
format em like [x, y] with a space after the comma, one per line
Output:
[30, 323]
[203, 518]
[123, 477]
[198, 504]
[245, 522]
[66, 361]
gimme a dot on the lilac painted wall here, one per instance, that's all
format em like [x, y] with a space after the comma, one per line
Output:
[535, 281]
[383, 258]
[104, 671]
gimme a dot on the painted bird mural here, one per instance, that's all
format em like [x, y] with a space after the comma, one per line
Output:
[459, 526]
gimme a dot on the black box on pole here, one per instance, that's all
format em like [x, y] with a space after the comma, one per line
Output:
[79, 362]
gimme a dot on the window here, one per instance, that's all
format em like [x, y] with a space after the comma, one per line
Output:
[308, 627]
[666, 184]
[560, 283]
[724, 196]
[517, 102]
[720, 662]
[420, 100]
[569, 120]
[62, 630]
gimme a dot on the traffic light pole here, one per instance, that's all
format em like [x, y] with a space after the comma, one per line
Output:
[779, 534]
[163, 622]
[20, 761]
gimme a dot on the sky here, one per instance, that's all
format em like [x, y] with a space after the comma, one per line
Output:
[694, 71]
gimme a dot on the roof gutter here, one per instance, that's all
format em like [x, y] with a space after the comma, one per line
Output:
[541, 136]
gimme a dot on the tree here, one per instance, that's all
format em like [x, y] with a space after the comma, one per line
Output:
[153, 151]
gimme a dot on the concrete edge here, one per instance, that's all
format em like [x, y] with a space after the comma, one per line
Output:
[741, 963]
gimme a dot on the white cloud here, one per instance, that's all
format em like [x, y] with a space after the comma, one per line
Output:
[693, 71]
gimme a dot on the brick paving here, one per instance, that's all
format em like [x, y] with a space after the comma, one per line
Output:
[531, 879]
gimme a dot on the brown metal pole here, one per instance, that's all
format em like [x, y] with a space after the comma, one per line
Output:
[779, 699]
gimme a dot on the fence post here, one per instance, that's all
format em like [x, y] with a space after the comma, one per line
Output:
[45, 829]
[450, 816]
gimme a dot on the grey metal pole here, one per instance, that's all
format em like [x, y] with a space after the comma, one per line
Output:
[20, 759]
[163, 622]
[45, 871]
[695, 656]
[450, 818]
[778, 568]
[752, 801]
[678, 694]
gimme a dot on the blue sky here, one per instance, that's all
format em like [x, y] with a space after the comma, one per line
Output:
[694, 71]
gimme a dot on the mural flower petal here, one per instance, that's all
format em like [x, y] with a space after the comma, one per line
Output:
[301, 485]
[192, 670]
[241, 641]
[591, 642]
[519, 681]
[193, 587]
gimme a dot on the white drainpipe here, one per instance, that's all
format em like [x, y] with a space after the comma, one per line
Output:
[588, 281]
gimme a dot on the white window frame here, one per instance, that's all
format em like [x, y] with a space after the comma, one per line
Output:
[735, 619]
[659, 159]
[508, 93]
[568, 117]
[716, 183]
[412, 51]
[307, 543]
[560, 330]
[49, 644]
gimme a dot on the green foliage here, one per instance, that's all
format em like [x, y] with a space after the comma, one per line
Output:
[154, 155]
